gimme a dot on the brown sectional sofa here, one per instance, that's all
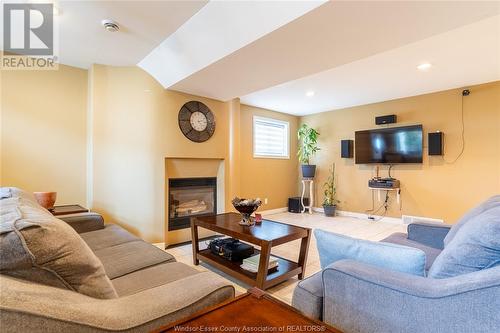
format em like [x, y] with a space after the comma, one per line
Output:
[152, 288]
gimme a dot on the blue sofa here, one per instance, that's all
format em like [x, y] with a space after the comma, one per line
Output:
[357, 297]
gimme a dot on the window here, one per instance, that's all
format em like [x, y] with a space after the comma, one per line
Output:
[270, 138]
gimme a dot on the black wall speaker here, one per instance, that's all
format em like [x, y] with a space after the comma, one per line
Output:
[295, 206]
[390, 119]
[435, 143]
[346, 148]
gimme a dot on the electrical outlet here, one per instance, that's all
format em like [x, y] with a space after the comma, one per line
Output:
[265, 201]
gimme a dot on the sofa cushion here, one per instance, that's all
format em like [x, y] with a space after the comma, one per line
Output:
[5, 193]
[29, 307]
[492, 202]
[402, 239]
[14, 192]
[334, 247]
[475, 247]
[10, 204]
[111, 235]
[308, 296]
[129, 257]
[36, 246]
[151, 277]
[83, 222]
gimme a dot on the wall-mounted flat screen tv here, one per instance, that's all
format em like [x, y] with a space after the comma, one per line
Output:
[389, 145]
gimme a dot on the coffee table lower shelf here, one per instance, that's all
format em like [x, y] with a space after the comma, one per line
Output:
[286, 269]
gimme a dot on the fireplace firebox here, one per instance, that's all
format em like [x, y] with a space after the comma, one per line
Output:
[188, 197]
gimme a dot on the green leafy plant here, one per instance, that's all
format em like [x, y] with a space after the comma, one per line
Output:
[308, 147]
[330, 190]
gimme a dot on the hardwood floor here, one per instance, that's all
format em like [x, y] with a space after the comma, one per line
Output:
[349, 226]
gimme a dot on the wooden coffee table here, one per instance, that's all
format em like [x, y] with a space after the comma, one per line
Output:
[265, 235]
[254, 311]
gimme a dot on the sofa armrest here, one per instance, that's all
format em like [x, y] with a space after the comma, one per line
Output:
[84, 222]
[430, 234]
[363, 298]
[31, 307]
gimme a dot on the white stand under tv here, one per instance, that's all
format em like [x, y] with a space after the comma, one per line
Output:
[379, 189]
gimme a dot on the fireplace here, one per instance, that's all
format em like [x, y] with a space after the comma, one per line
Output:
[188, 197]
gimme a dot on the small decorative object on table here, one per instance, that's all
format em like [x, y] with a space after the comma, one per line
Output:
[258, 218]
[46, 199]
[231, 249]
[251, 264]
[246, 207]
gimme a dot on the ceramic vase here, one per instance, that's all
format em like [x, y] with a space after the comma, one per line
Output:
[46, 199]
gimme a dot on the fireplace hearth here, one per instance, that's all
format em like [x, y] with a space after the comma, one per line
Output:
[188, 197]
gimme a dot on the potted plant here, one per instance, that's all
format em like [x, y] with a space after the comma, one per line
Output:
[307, 148]
[330, 201]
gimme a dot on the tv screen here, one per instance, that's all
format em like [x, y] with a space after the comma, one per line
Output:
[389, 145]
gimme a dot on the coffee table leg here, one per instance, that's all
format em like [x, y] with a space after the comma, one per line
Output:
[195, 241]
[304, 249]
[265, 252]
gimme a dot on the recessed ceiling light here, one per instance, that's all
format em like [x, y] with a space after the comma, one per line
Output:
[110, 25]
[310, 93]
[424, 66]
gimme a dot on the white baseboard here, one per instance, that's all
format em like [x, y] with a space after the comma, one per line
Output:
[362, 216]
[319, 210]
[274, 211]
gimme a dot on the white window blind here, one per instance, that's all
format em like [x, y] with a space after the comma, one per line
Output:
[270, 138]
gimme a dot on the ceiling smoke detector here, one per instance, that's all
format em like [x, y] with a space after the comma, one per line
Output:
[110, 25]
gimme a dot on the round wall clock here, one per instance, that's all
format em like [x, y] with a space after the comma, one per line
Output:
[196, 121]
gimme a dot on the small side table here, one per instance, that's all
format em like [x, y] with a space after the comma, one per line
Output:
[68, 209]
[307, 182]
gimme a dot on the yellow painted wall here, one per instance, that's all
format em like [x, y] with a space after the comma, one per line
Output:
[434, 188]
[274, 179]
[43, 132]
[135, 128]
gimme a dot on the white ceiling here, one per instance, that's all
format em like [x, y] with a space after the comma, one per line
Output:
[217, 30]
[270, 53]
[330, 36]
[144, 24]
[460, 57]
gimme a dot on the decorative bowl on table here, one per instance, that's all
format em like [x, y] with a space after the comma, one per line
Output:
[46, 199]
[246, 207]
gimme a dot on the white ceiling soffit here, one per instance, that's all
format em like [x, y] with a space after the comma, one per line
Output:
[464, 56]
[219, 29]
[143, 25]
[332, 35]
